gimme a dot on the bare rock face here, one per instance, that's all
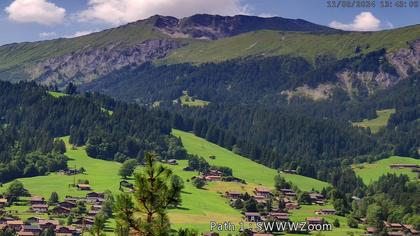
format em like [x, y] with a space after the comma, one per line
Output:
[406, 60]
[84, 66]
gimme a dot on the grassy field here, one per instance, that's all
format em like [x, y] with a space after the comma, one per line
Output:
[378, 122]
[199, 206]
[242, 167]
[56, 94]
[371, 172]
[187, 100]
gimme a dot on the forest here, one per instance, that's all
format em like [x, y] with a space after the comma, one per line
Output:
[31, 119]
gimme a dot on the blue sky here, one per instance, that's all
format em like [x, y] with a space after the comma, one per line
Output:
[33, 20]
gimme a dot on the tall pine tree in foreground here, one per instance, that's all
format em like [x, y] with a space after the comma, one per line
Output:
[145, 213]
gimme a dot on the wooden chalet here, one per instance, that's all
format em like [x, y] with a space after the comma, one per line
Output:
[280, 216]
[60, 210]
[45, 224]
[35, 229]
[39, 208]
[262, 192]
[83, 187]
[315, 220]
[14, 224]
[36, 200]
[232, 194]
[67, 204]
[292, 206]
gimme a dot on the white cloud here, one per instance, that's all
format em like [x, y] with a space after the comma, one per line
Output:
[38, 11]
[80, 33]
[47, 35]
[365, 21]
[122, 11]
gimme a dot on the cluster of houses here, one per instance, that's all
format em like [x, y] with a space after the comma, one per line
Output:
[395, 229]
[212, 175]
[33, 226]
[262, 195]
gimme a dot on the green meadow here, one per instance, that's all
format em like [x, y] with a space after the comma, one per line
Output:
[187, 100]
[242, 167]
[372, 171]
[376, 124]
[56, 94]
[199, 206]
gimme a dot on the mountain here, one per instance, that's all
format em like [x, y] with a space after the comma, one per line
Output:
[61, 60]
[199, 39]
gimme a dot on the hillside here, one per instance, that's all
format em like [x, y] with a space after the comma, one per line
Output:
[195, 39]
[274, 43]
[242, 167]
[370, 172]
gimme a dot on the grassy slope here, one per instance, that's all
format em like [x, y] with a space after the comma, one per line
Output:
[271, 43]
[187, 100]
[56, 94]
[101, 174]
[13, 55]
[377, 123]
[242, 167]
[371, 172]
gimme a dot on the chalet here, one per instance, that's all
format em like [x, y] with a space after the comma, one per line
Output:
[45, 224]
[84, 221]
[215, 172]
[67, 204]
[31, 228]
[370, 230]
[401, 166]
[262, 192]
[288, 192]
[316, 197]
[292, 206]
[74, 199]
[315, 220]
[14, 224]
[213, 177]
[93, 213]
[83, 187]
[95, 197]
[394, 226]
[35, 200]
[326, 212]
[3, 202]
[39, 208]
[65, 230]
[281, 216]
[294, 172]
[233, 195]
[96, 207]
[172, 162]
[260, 199]
[59, 210]
[253, 216]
